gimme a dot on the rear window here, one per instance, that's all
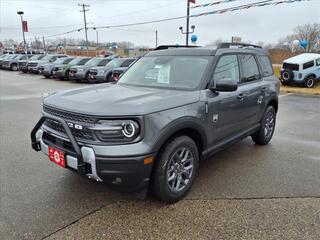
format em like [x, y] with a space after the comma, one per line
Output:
[308, 65]
[266, 66]
[290, 66]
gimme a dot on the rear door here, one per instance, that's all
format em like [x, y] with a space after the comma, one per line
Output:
[251, 89]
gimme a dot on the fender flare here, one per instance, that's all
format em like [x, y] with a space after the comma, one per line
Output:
[179, 125]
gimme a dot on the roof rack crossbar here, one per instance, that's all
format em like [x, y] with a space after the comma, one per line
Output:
[243, 45]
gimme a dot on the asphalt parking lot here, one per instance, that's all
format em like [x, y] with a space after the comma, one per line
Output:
[245, 192]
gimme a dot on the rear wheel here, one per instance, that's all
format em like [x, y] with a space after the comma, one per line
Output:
[175, 169]
[264, 135]
[310, 82]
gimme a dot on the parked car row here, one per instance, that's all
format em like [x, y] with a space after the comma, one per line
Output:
[64, 67]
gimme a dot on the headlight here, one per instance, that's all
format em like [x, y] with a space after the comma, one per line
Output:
[80, 70]
[116, 130]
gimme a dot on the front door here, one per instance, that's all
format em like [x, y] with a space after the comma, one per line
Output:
[225, 109]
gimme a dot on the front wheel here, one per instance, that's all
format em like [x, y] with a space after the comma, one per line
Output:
[264, 134]
[175, 170]
[14, 67]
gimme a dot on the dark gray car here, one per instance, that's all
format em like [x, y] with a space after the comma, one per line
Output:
[80, 73]
[104, 74]
[170, 110]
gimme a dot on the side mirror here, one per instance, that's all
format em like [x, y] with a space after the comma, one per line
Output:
[225, 85]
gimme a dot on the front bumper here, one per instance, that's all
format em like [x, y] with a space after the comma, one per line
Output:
[58, 74]
[47, 73]
[33, 69]
[77, 76]
[128, 173]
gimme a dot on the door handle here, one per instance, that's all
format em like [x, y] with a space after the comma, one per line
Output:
[241, 96]
[263, 89]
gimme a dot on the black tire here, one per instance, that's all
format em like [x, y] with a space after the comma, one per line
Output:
[264, 135]
[310, 82]
[286, 77]
[14, 67]
[169, 156]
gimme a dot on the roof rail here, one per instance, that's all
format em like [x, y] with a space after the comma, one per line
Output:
[240, 45]
[162, 47]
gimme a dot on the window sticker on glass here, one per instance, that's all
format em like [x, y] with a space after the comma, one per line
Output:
[164, 74]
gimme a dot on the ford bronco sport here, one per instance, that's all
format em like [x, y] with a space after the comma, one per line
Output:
[170, 109]
[303, 69]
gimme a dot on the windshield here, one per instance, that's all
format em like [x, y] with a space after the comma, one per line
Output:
[75, 61]
[93, 62]
[60, 60]
[47, 58]
[114, 63]
[177, 72]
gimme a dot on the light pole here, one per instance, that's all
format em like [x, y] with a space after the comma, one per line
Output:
[187, 33]
[21, 16]
[97, 45]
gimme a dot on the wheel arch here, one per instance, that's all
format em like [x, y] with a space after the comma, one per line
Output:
[188, 128]
[274, 103]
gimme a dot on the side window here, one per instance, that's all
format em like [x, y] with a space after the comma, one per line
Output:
[266, 66]
[308, 64]
[318, 62]
[127, 63]
[227, 68]
[249, 67]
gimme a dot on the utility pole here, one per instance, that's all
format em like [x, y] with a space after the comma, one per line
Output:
[156, 38]
[84, 10]
[188, 14]
[97, 43]
[44, 44]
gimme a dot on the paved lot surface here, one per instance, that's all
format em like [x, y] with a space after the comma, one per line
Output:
[245, 192]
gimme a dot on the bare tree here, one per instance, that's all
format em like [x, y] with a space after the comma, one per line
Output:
[311, 33]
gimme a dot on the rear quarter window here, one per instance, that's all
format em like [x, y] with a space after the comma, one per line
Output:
[266, 66]
[308, 65]
[290, 66]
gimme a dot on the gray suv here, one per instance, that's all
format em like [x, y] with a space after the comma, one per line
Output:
[170, 110]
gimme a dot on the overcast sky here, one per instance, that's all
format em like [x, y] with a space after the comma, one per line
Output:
[47, 17]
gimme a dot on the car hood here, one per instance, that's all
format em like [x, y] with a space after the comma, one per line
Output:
[101, 68]
[81, 67]
[119, 100]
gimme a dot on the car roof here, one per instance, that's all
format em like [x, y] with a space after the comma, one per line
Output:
[302, 58]
[206, 51]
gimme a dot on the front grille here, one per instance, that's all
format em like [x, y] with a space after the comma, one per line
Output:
[41, 68]
[32, 64]
[79, 134]
[73, 70]
[52, 140]
[22, 64]
[69, 116]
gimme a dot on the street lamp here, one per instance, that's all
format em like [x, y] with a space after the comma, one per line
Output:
[187, 32]
[21, 16]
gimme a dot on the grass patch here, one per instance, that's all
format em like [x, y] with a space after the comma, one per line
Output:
[294, 89]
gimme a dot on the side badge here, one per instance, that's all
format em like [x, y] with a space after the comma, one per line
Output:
[215, 118]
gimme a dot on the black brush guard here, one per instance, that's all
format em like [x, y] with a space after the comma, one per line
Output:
[37, 146]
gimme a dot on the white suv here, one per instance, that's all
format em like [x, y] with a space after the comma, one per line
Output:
[304, 68]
